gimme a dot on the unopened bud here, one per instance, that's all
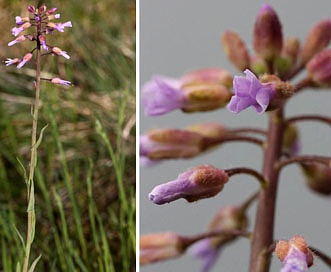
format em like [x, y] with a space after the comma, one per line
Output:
[207, 76]
[236, 50]
[160, 246]
[294, 254]
[318, 177]
[318, 38]
[291, 139]
[200, 182]
[170, 143]
[205, 97]
[258, 65]
[268, 37]
[319, 68]
[31, 9]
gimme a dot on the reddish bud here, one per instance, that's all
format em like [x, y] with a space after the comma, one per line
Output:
[236, 50]
[318, 177]
[160, 246]
[319, 68]
[318, 38]
[268, 37]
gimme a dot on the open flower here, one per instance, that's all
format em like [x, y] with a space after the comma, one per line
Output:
[162, 95]
[201, 90]
[249, 91]
[200, 182]
[26, 58]
[9, 61]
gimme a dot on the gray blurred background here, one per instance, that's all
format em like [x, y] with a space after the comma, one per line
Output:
[183, 35]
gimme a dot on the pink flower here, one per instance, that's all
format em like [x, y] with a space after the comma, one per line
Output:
[9, 61]
[60, 26]
[17, 40]
[57, 51]
[60, 81]
[26, 58]
[16, 30]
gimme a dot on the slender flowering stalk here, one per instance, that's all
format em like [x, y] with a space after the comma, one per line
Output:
[39, 20]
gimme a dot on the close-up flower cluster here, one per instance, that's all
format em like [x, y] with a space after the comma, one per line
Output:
[276, 72]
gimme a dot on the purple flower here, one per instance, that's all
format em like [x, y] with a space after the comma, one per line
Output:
[26, 58]
[9, 61]
[60, 81]
[162, 95]
[60, 26]
[249, 91]
[17, 30]
[17, 40]
[59, 52]
[200, 182]
[19, 20]
[205, 250]
[295, 261]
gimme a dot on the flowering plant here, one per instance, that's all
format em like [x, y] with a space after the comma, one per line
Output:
[35, 28]
[270, 81]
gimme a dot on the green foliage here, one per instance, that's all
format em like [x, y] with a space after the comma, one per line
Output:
[85, 176]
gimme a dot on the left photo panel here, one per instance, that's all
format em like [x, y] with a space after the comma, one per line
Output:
[68, 136]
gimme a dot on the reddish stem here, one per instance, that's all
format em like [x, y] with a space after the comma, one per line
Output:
[264, 221]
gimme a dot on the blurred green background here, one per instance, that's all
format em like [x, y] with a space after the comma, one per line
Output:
[85, 178]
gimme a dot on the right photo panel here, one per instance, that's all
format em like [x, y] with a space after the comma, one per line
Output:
[234, 136]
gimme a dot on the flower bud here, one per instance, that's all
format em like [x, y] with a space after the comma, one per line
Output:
[318, 177]
[207, 76]
[229, 218]
[236, 50]
[318, 38]
[31, 9]
[160, 246]
[258, 65]
[209, 130]
[170, 143]
[294, 254]
[205, 97]
[319, 68]
[200, 182]
[268, 37]
[291, 139]
[291, 49]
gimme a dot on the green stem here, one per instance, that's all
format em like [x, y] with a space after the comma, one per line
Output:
[33, 160]
[264, 221]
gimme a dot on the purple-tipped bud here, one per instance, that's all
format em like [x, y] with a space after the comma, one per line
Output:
[17, 40]
[60, 81]
[319, 68]
[200, 182]
[42, 9]
[236, 50]
[31, 9]
[26, 58]
[160, 246]
[51, 11]
[59, 52]
[43, 43]
[318, 38]
[294, 254]
[266, 93]
[318, 177]
[227, 219]
[170, 143]
[268, 37]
